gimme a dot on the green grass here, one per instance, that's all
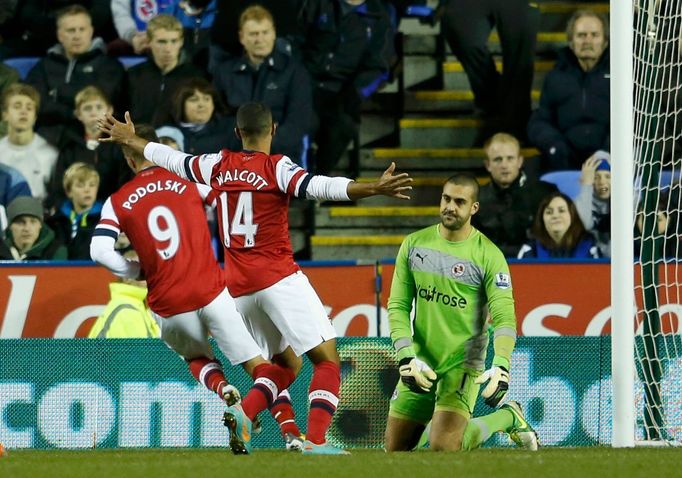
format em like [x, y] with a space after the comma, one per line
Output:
[486, 463]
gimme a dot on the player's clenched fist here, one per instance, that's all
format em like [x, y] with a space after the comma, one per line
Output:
[498, 384]
[416, 375]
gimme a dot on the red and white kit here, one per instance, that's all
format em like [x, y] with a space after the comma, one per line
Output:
[251, 193]
[163, 216]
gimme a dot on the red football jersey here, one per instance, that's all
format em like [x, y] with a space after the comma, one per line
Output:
[254, 227]
[163, 216]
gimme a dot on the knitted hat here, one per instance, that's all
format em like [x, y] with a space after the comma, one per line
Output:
[173, 133]
[24, 206]
[604, 165]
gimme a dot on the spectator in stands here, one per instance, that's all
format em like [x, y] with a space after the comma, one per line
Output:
[8, 76]
[196, 17]
[76, 218]
[76, 61]
[509, 202]
[131, 18]
[573, 121]
[224, 33]
[81, 144]
[195, 111]
[558, 232]
[662, 237]
[152, 84]
[502, 100]
[127, 315]
[12, 185]
[347, 47]
[23, 148]
[171, 136]
[27, 238]
[594, 200]
[267, 75]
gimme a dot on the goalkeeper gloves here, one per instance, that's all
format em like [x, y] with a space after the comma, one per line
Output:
[416, 375]
[498, 384]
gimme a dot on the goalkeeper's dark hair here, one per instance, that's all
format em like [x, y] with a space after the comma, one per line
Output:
[254, 120]
[144, 131]
[576, 231]
[465, 179]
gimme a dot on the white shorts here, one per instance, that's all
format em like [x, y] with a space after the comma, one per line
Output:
[288, 313]
[187, 333]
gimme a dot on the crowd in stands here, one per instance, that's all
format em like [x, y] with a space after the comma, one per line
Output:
[313, 62]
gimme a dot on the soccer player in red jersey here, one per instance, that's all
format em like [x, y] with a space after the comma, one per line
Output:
[279, 304]
[163, 217]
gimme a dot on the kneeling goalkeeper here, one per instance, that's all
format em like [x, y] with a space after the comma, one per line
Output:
[453, 276]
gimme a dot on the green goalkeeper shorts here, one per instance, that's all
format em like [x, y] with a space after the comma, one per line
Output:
[455, 391]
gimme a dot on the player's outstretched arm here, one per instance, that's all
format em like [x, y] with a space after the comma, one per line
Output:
[389, 184]
[121, 133]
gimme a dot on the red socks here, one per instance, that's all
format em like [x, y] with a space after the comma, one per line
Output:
[269, 379]
[324, 398]
[209, 372]
[283, 412]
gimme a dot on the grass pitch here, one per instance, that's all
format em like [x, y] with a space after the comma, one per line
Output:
[486, 463]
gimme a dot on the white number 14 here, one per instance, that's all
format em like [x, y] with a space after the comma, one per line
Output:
[242, 222]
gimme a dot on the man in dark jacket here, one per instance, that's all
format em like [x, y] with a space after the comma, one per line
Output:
[77, 61]
[347, 47]
[573, 120]
[27, 238]
[151, 84]
[508, 203]
[266, 74]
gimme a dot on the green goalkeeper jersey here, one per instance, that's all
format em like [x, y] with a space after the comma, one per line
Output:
[452, 287]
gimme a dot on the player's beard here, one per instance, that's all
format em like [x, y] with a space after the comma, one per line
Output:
[451, 222]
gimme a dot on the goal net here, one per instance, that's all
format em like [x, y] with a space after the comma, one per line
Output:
[657, 222]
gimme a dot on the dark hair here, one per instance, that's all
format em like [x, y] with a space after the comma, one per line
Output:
[465, 179]
[144, 131]
[187, 89]
[575, 233]
[254, 120]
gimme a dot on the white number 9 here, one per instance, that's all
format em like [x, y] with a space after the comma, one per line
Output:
[170, 233]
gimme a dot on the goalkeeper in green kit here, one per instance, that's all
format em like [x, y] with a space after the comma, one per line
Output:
[454, 277]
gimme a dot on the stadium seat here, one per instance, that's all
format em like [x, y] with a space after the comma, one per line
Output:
[129, 61]
[568, 181]
[22, 64]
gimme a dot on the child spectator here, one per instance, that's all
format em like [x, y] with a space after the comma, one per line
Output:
[594, 200]
[82, 144]
[171, 136]
[27, 238]
[22, 148]
[558, 232]
[76, 218]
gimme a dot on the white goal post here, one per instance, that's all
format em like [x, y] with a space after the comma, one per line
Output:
[646, 284]
[622, 250]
